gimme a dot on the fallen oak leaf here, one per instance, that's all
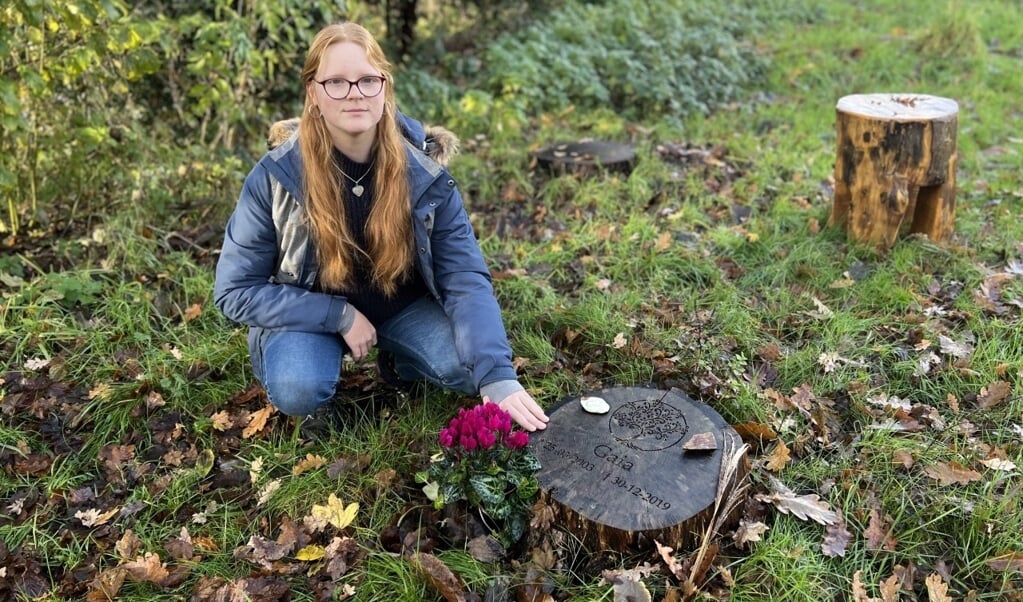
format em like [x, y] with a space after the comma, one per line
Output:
[106, 585]
[778, 458]
[674, 564]
[222, 421]
[937, 590]
[1001, 464]
[129, 545]
[1009, 561]
[952, 473]
[147, 568]
[257, 421]
[94, 518]
[836, 539]
[804, 507]
[993, 394]
[310, 462]
[749, 531]
[878, 532]
[262, 551]
[443, 579]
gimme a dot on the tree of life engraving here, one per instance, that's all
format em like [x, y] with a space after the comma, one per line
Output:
[648, 425]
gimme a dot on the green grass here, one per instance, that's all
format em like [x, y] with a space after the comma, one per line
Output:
[698, 268]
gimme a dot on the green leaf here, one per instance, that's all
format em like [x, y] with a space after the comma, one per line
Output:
[489, 489]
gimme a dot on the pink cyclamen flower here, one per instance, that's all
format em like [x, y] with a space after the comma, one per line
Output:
[518, 440]
[486, 439]
[447, 437]
[468, 442]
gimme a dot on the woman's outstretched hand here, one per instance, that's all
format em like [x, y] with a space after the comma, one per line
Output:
[523, 410]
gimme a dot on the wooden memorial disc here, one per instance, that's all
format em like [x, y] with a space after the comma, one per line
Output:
[622, 479]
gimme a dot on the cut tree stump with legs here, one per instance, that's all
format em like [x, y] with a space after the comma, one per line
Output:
[895, 167]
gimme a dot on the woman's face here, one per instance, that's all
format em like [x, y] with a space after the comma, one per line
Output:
[355, 116]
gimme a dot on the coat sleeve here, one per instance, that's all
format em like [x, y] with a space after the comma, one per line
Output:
[467, 292]
[245, 290]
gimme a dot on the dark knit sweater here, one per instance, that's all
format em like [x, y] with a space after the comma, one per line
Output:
[360, 291]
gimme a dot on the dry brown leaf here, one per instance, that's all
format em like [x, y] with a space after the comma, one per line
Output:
[257, 421]
[193, 312]
[443, 580]
[341, 554]
[94, 518]
[262, 551]
[222, 420]
[993, 394]
[1009, 561]
[904, 458]
[937, 590]
[147, 568]
[749, 531]
[755, 432]
[106, 585]
[804, 507]
[952, 473]
[780, 400]
[1000, 464]
[345, 465]
[663, 242]
[878, 530]
[890, 588]
[181, 547]
[770, 352]
[674, 564]
[310, 462]
[779, 458]
[859, 593]
[836, 539]
[485, 548]
[628, 585]
[128, 546]
[631, 591]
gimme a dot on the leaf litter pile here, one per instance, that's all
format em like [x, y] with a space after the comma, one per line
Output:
[318, 551]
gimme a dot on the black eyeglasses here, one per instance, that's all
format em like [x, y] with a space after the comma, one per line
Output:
[339, 88]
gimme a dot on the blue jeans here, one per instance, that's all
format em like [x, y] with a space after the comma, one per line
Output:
[301, 370]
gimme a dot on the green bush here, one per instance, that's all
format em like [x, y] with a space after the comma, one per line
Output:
[664, 57]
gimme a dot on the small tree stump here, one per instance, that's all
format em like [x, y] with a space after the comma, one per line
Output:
[647, 469]
[586, 157]
[896, 159]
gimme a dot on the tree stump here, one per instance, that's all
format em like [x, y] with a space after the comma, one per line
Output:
[586, 157]
[648, 469]
[896, 159]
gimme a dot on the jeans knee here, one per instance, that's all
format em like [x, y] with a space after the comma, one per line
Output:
[457, 378]
[298, 398]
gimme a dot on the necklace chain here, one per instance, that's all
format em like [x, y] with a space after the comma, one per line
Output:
[358, 188]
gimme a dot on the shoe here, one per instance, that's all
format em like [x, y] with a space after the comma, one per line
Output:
[387, 372]
[321, 423]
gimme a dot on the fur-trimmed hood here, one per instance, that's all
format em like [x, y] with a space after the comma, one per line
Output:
[440, 144]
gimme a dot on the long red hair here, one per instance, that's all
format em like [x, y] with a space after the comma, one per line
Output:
[389, 239]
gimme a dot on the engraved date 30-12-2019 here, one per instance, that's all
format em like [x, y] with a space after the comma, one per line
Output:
[646, 496]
